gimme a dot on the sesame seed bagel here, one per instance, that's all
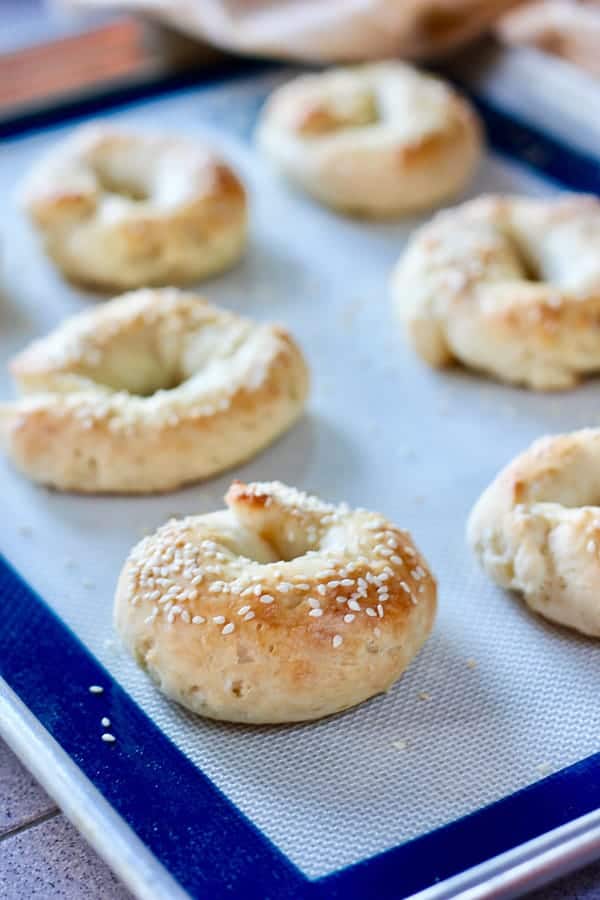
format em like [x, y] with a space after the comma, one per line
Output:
[148, 392]
[118, 209]
[278, 609]
[509, 286]
[379, 140]
[536, 529]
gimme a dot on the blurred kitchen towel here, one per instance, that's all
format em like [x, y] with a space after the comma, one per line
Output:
[321, 30]
[565, 28]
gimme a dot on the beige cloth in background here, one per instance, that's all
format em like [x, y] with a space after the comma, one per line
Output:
[321, 30]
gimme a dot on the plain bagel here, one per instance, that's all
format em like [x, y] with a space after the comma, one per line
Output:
[379, 140]
[509, 286]
[119, 209]
[565, 28]
[536, 529]
[148, 392]
[278, 609]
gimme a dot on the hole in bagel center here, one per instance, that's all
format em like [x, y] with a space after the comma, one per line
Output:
[294, 544]
[127, 185]
[283, 546]
[537, 268]
[144, 380]
[164, 353]
[439, 23]
[347, 107]
[531, 269]
[136, 366]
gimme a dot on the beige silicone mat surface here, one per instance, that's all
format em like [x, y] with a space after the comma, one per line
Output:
[509, 698]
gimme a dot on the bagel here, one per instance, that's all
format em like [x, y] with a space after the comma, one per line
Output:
[148, 392]
[536, 529]
[561, 27]
[509, 286]
[379, 140]
[279, 609]
[118, 209]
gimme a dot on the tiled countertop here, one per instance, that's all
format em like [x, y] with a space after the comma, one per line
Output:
[43, 856]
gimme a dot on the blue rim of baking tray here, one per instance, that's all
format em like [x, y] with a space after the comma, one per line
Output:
[204, 841]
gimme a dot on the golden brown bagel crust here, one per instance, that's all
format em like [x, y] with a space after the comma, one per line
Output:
[148, 392]
[379, 140]
[509, 286]
[279, 609]
[536, 529]
[118, 209]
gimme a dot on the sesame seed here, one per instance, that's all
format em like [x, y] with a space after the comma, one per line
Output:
[243, 610]
[396, 560]
[353, 604]
[266, 598]
[424, 695]
[198, 620]
[591, 546]
[337, 641]
[218, 620]
[347, 582]
[248, 616]
[105, 722]
[227, 629]
[95, 689]
[185, 616]
[316, 612]
[380, 610]
[284, 587]
[349, 617]
[312, 601]
[108, 738]
[321, 589]
[399, 745]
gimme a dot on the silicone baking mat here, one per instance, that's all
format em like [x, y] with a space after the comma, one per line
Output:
[497, 699]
